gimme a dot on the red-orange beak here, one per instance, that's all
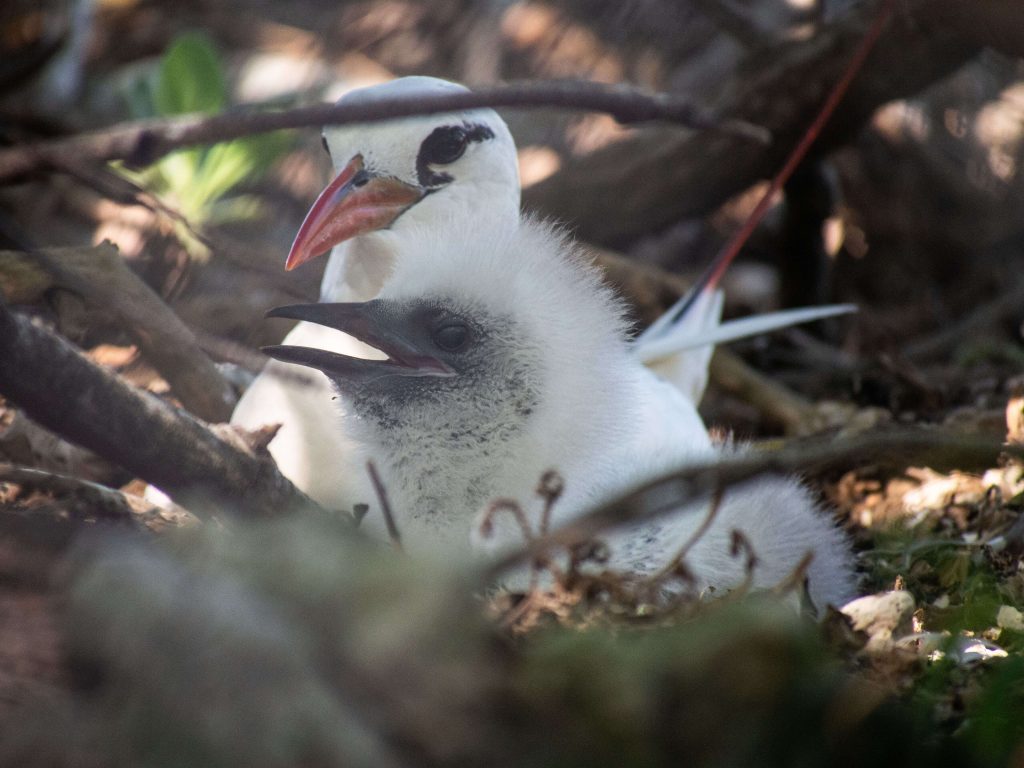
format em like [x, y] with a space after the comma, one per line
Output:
[355, 203]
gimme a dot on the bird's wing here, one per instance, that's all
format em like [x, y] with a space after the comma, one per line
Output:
[310, 449]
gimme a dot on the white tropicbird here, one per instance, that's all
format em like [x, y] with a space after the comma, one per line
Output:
[390, 178]
[507, 356]
[434, 177]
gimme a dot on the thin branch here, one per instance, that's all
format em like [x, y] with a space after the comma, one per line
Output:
[968, 328]
[486, 526]
[91, 406]
[550, 489]
[797, 578]
[673, 176]
[680, 556]
[103, 502]
[142, 142]
[666, 494]
[385, 506]
[771, 398]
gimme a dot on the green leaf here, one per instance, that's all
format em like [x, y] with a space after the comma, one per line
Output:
[224, 166]
[195, 181]
[191, 78]
[235, 209]
[227, 165]
[179, 170]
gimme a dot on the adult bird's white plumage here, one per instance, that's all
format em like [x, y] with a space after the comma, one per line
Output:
[507, 356]
[391, 178]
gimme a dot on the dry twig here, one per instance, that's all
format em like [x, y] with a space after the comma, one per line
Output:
[968, 328]
[103, 502]
[676, 566]
[385, 506]
[666, 494]
[142, 142]
[99, 275]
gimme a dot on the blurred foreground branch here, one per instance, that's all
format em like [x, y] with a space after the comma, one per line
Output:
[142, 142]
[91, 406]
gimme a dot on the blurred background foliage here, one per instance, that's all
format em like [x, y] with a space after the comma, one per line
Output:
[190, 79]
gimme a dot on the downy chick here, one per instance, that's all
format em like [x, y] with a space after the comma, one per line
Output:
[507, 356]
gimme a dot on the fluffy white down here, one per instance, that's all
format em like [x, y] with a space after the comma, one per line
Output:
[531, 274]
[595, 422]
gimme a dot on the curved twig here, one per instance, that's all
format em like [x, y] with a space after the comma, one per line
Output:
[100, 276]
[666, 494]
[142, 142]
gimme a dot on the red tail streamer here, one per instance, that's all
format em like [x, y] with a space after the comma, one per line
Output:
[710, 277]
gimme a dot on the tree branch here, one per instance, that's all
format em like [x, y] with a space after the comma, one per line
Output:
[100, 276]
[143, 142]
[91, 406]
[782, 88]
[100, 501]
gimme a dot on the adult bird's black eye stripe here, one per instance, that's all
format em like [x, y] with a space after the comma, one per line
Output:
[323, 140]
[478, 132]
[445, 145]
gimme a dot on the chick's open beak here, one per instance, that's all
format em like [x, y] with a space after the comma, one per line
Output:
[368, 322]
[356, 202]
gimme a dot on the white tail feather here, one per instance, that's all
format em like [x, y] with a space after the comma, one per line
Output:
[681, 352]
[681, 339]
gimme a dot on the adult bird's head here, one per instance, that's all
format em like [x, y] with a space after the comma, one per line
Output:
[397, 174]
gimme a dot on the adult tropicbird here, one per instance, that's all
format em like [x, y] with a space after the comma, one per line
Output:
[390, 178]
[507, 356]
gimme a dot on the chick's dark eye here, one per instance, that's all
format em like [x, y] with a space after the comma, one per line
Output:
[451, 337]
[444, 145]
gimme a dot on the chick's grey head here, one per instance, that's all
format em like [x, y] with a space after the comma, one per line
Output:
[408, 172]
[497, 337]
[451, 368]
